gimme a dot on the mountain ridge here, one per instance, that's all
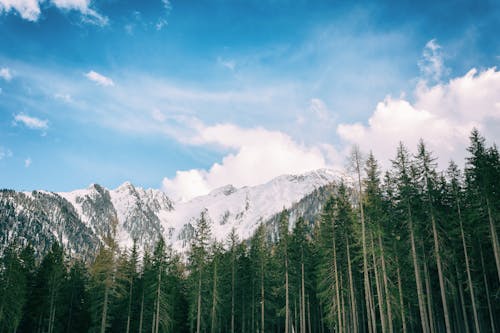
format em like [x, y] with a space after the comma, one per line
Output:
[129, 212]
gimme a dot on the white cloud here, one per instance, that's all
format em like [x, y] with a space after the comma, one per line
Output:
[5, 73]
[28, 9]
[256, 155]
[432, 65]
[4, 153]
[27, 162]
[443, 115]
[99, 79]
[89, 15]
[31, 122]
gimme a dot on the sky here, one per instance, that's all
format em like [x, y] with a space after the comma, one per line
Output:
[187, 96]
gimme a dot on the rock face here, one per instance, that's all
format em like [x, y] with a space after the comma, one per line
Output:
[81, 219]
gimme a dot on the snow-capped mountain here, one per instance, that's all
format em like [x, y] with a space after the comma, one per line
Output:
[81, 219]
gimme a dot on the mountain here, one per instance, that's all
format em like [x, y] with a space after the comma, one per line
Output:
[82, 219]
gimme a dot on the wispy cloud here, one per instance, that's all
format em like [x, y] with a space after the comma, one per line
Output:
[228, 63]
[432, 64]
[27, 162]
[5, 73]
[4, 153]
[31, 122]
[99, 79]
[30, 10]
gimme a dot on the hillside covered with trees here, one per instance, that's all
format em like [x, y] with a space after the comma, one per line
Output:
[412, 249]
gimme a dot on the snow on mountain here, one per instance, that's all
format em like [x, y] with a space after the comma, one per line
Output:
[244, 208]
[130, 212]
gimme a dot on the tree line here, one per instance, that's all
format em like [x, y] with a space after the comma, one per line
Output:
[412, 249]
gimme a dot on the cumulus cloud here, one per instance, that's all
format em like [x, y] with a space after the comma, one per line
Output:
[443, 115]
[99, 79]
[5, 73]
[30, 9]
[256, 155]
[31, 122]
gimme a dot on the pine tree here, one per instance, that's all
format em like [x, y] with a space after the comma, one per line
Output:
[198, 257]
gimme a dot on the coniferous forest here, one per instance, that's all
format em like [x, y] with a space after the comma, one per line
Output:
[410, 249]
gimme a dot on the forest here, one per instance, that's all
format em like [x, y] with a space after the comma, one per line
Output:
[410, 249]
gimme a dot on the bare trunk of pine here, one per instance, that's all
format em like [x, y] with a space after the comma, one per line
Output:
[492, 320]
[373, 315]
[401, 302]
[214, 297]
[262, 322]
[232, 292]
[430, 301]
[287, 300]
[462, 301]
[158, 297]
[104, 309]
[494, 238]
[303, 295]
[379, 288]
[141, 316]
[386, 285]
[418, 280]
[467, 268]
[337, 287]
[198, 314]
[442, 286]
[309, 314]
[129, 305]
[351, 290]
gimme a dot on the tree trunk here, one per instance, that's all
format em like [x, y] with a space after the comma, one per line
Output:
[442, 286]
[418, 280]
[462, 301]
[494, 238]
[467, 268]
[104, 309]
[198, 314]
[158, 297]
[287, 300]
[232, 291]
[129, 304]
[214, 298]
[401, 302]
[262, 295]
[380, 297]
[430, 302]
[354, 315]
[492, 319]
[337, 287]
[386, 285]
[303, 295]
[141, 316]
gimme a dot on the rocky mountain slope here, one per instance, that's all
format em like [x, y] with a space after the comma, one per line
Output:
[81, 219]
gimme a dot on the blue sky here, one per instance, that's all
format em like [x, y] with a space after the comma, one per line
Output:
[171, 94]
